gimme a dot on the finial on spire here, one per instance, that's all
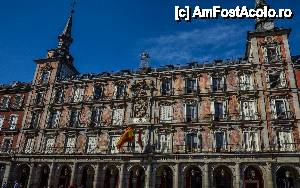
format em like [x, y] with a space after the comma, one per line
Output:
[259, 3]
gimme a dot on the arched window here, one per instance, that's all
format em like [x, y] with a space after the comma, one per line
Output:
[287, 177]
[222, 177]
[164, 177]
[253, 178]
[136, 178]
[193, 177]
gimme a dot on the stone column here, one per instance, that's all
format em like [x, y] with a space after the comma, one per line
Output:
[237, 175]
[96, 176]
[31, 176]
[73, 175]
[121, 176]
[205, 176]
[176, 175]
[50, 182]
[148, 176]
[6, 173]
[269, 176]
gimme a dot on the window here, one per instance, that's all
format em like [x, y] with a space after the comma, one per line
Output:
[39, 98]
[166, 114]
[13, 120]
[246, 82]
[34, 120]
[70, 145]
[113, 144]
[96, 117]
[5, 102]
[78, 95]
[190, 112]
[98, 92]
[279, 109]
[59, 96]
[220, 141]
[248, 110]
[92, 144]
[285, 141]
[272, 53]
[44, 77]
[166, 86]
[18, 102]
[49, 145]
[2, 118]
[217, 84]
[192, 142]
[276, 80]
[74, 118]
[251, 141]
[29, 145]
[164, 145]
[54, 119]
[120, 91]
[218, 110]
[118, 116]
[191, 86]
[6, 146]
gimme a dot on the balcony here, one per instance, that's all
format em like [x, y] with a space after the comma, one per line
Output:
[191, 90]
[167, 92]
[287, 115]
[190, 119]
[217, 88]
[249, 117]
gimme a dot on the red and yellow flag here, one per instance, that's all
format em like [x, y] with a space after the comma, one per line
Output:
[128, 136]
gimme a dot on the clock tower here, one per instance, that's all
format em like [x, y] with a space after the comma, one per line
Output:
[263, 24]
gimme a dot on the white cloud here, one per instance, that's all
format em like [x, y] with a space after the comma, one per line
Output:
[221, 41]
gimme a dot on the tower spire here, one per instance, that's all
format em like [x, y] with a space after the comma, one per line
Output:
[65, 38]
[263, 24]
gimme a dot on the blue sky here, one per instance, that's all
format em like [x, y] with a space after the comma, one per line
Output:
[110, 35]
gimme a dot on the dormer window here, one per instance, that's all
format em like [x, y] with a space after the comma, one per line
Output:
[190, 86]
[98, 92]
[166, 86]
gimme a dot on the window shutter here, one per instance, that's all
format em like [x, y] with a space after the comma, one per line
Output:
[242, 82]
[273, 108]
[281, 141]
[268, 79]
[265, 54]
[212, 107]
[224, 109]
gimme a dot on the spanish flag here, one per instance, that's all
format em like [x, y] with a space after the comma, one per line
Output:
[128, 136]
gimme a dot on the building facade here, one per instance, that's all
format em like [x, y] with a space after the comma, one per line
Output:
[222, 124]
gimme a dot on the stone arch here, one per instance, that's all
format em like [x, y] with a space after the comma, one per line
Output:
[164, 177]
[192, 177]
[86, 176]
[22, 174]
[64, 176]
[222, 177]
[44, 175]
[252, 177]
[287, 177]
[136, 177]
[111, 176]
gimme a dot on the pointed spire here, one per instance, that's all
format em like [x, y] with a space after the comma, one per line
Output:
[65, 38]
[260, 3]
